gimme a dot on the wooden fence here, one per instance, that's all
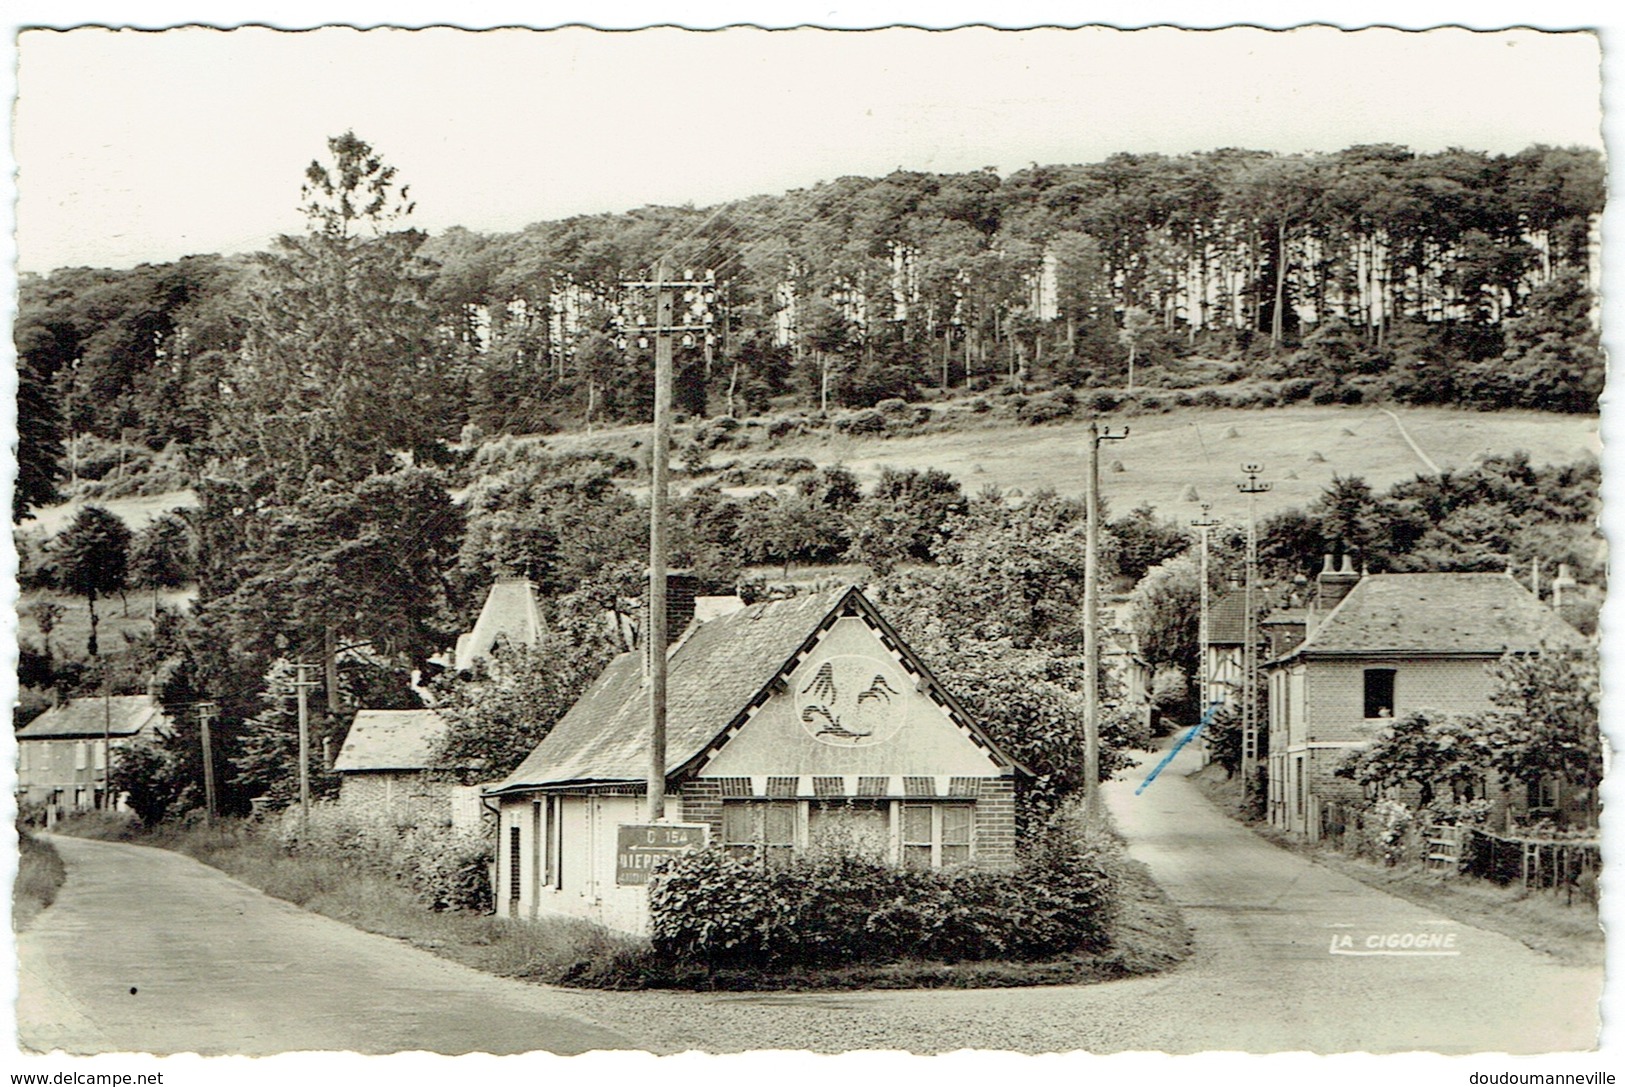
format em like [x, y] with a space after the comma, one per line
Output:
[1554, 864]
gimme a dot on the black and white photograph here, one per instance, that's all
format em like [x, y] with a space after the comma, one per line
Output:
[700, 536]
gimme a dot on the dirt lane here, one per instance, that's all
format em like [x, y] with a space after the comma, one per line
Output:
[149, 951]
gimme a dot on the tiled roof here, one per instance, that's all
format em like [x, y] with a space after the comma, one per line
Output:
[390, 740]
[1227, 620]
[1446, 614]
[711, 675]
[121, 715]
[511, 612]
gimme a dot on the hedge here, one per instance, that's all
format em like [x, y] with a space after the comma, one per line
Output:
[832, 907]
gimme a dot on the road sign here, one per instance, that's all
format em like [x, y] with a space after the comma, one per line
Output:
[639, 845]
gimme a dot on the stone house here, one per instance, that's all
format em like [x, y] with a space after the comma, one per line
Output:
[62, 754]
[786, 721]
[1376, 648]
[387, 771]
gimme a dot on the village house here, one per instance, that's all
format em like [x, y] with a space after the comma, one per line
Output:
[1222, 659]
[510, 616]
[1375, 648]
[387, 764]
[388, 770]
[62, 754]
[787, 721]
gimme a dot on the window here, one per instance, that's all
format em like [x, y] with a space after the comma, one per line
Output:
[1379, 692]
[917, 835]
[920, 835]
[752, 826]
[1543, 793]
[555, 843]
[22, 758]
[81, 755]
[856, 825]
[101, 755]
[513, 865]
[936, 834]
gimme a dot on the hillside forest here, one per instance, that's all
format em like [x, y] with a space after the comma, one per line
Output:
[358, 418]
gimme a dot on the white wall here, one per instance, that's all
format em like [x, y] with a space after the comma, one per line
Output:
[587, 826]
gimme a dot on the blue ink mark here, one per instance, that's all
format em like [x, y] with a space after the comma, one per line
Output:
[1213, 707]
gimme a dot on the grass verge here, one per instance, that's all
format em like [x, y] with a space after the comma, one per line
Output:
[40, 875]
[1149, 934]
[1539, 920]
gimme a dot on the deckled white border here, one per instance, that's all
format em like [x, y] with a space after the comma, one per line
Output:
[1220, 1068]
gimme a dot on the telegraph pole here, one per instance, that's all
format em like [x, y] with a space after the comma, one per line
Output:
[1091, 622]
[108, 802]
[1203, 679]
[1249, 650]
[665, 327]
[303, 686]
[206, 712]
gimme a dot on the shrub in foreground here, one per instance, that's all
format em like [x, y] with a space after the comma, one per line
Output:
[844, 907]
[447, 868]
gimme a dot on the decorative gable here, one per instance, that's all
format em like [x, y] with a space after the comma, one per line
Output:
[853, 704]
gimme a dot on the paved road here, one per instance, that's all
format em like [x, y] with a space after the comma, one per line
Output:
[1262, 979]
[150, 951]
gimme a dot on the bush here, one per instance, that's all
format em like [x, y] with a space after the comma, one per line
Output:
[1387, 827]
[1466, 813]
[785, 426]
[866, 421]
[1047, 407]
[844, 905]
[1295, 389]
[717, 433]
[447, 868]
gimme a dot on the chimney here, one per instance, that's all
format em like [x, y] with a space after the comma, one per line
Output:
[681, 588]
[1334, 583]
[1563, 580]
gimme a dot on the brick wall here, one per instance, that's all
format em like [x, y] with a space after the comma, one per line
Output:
[401, 799]
[995, 826]
[1334, 712]
[1335, 693]
[702, 803]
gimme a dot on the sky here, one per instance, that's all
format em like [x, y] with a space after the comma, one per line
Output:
[137, 146]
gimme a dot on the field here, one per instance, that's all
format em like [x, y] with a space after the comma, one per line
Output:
[136, 511]
[1164, 458]
[1300, 448]
[73, 629]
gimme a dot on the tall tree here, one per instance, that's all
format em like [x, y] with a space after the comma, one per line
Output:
[161, 556]
[39, 439]
[339, 368]
[1545, 719]
[93, 555]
